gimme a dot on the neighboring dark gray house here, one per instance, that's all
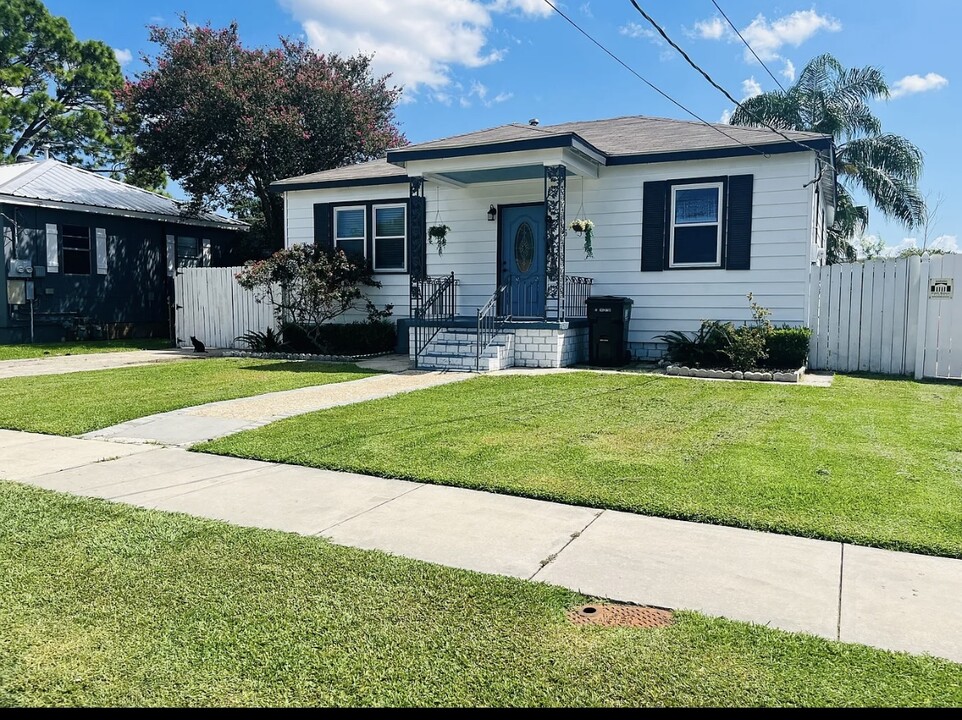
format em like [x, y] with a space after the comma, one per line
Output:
[85, 256]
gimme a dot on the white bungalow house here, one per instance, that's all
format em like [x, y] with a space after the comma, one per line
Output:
[688, 219]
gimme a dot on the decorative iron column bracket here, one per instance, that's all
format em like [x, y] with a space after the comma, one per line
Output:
[417, 239]
[555, 186]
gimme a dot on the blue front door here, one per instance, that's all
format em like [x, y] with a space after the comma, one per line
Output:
[523, 256]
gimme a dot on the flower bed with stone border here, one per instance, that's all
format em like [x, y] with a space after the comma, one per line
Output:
[761, 375]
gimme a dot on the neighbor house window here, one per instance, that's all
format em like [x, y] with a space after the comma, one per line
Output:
[696, 228]
[350, 231]
[390, 237]
[188, 252]
[75, 241]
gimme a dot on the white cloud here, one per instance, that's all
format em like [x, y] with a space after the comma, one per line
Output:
[726, 116]
[768, 38]
[419, 42]
[479, 89]
[634, 30]
[502, 97]
[586, 10]
[788, 72]
[123, 56]
[750, 88]
[949, 243]
[911, 84]
[713, 29]
[526, 7]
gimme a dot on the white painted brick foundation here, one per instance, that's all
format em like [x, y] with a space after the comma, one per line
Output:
[516, 347]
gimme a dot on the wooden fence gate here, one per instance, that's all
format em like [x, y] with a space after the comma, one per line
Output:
[212, 307]
[892, 316]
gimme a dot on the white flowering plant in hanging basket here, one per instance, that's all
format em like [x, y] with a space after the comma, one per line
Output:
[584, 226]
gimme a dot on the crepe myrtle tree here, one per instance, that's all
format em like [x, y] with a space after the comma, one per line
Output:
[309, 285]
[225, 121]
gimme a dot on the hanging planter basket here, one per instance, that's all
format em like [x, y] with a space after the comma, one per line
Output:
[584, 226]
[438, 235]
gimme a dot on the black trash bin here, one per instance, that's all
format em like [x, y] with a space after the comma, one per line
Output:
[608, 318]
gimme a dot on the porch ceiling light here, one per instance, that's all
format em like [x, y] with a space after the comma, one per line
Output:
[492, 213]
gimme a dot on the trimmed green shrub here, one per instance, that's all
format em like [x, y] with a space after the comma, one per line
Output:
[357, 338]
[788, 347]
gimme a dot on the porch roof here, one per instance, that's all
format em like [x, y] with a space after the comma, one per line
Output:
[519, 151]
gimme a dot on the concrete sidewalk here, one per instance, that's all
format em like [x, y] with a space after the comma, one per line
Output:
[62, 364]
[890, 600]
[189, 426]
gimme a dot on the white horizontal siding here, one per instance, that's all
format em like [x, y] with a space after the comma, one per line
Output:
[782, 235]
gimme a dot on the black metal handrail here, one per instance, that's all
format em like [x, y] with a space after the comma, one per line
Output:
[490, 323]
[577, 292]
[432, 299]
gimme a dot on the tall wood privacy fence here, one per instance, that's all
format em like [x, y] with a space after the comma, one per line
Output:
[900, 317]
[212, 307]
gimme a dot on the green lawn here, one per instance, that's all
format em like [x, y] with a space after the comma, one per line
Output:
[76, 403]
[869, 461]
[25, 352]
[105, 605]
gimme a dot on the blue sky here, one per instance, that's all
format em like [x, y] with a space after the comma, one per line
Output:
[471, 64]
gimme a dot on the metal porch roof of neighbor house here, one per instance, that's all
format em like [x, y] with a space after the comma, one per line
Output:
[619, 141]
[51, 183]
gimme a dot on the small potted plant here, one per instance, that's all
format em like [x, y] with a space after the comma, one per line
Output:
[438, 234]
[584, 226]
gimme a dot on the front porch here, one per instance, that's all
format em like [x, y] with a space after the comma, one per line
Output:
[536, 315]
[494, 338]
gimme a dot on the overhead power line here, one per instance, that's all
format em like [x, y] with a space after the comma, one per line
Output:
[748, 45]
[723, 91]
[649, 83]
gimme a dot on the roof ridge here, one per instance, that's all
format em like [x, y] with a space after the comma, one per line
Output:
[25, 178]
[126, 186]
[466, 134]
[654, 118]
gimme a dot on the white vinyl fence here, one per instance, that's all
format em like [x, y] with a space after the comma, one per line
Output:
[893, 316]
[212, 307]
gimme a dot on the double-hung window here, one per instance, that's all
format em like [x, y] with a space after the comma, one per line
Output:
[390, 237]
[696, 225]
[188, 252]
[350, 231]
[76, 249]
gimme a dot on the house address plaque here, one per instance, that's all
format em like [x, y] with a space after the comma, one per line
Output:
[941, 287]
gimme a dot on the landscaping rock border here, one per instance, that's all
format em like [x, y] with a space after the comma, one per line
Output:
[302, 356]
[763, 376]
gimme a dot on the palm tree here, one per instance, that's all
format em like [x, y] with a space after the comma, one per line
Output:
[829, 98]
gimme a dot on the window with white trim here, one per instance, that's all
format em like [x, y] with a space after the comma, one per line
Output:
[188, 252]
[696, 225]
[390, 238]
[75, 241]
[350, 231]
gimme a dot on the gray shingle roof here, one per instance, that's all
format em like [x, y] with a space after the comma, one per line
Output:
[55, 182]
[623, 136]
[372, 169]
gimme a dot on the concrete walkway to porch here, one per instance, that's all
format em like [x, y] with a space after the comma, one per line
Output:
[200, 423]
[61, 364]
[891, 600]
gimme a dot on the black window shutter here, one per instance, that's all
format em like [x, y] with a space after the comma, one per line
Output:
[323, 232]
[654, 256]
[739, 243]
[417, 237]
